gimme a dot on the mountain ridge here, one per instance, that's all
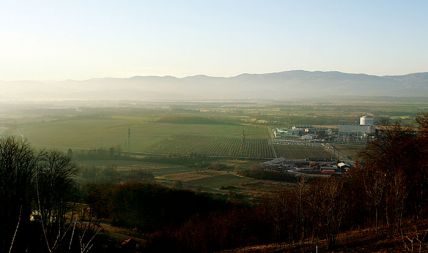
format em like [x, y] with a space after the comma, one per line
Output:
[283, 85]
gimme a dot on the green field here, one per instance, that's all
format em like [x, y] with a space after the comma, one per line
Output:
[180, 144]
[147, 136]
[214, 146]
[206, 129]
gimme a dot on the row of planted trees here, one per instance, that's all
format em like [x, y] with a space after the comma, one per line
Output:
[35, 193]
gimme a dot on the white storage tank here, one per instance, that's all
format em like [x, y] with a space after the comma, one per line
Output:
[366, 120]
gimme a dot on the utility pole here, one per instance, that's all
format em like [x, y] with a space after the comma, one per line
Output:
[243, 137]
[129, 140]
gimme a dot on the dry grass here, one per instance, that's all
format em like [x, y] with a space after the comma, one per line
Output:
[362, 240]
[191, 175]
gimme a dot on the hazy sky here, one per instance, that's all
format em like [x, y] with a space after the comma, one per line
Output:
[80, 39]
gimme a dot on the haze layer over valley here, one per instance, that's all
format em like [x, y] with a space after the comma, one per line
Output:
[270, 86]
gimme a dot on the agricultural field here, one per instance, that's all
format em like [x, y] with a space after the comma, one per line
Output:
[222, 182]
[146, 136]
[215, 147]
[350, 151]
[219, 177]
[295, 151]
[206, 129]
[177, 144]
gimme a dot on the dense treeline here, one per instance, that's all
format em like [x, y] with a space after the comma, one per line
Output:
[112, 153]
[192, 160]
[112, 175]
[148, 207]
[259, 172]
[197, 120]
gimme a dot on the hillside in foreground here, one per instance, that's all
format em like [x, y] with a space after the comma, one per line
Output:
[414, 238]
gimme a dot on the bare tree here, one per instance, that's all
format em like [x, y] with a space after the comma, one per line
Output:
[17, 167]
[55, 184]
[375, 181]
[328, 206]
[395, 197]
[39, 186]
[393, 169]
[300, 193]
[62, 226]
[281, 209]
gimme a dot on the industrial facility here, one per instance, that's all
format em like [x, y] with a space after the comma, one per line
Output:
[358, 133]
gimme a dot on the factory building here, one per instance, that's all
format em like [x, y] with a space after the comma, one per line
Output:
[357, 133]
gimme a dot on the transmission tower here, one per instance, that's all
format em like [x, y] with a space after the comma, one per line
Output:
[243, 137]
[129, 139]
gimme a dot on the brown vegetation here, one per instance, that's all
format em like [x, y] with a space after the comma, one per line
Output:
[385, 193]
[381, 201]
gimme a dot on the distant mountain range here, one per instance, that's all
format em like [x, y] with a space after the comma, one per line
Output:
[282, 86]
